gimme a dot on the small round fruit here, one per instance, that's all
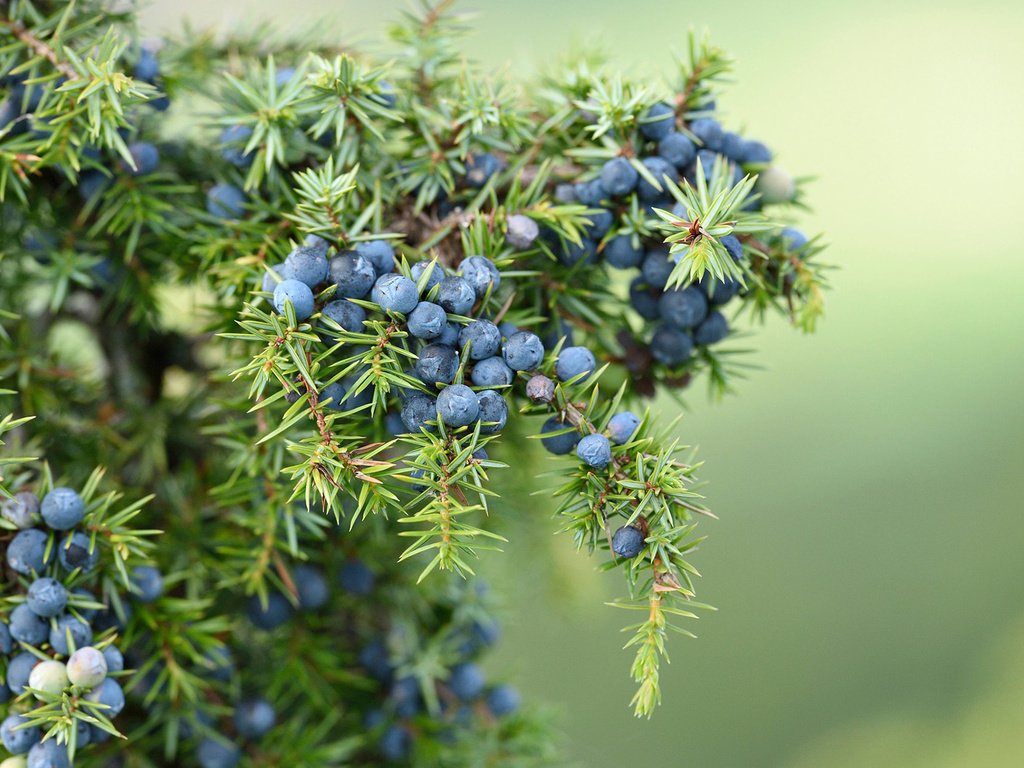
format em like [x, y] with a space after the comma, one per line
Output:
[50, 677]
[46, 597]
[296, 292]
[622, 426]
[62, 509]
[87, 667]
[457, 405]
[628, 542]
[594, 451]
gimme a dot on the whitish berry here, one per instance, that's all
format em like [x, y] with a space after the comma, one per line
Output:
[87, 667]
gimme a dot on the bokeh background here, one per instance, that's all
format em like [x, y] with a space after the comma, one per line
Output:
[869, 561]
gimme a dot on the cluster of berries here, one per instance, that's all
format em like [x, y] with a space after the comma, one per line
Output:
[58, 637]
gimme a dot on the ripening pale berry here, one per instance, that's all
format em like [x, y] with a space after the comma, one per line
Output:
[417, 410]
[147, 583]
[77, 551]
[628, 542]
[623, 253]
[683, 308]
[708, 132]
[437, 363]
[775, 185]
[254, 718]
[62, 509]
[560, 444]
[87, 667]
[492, 372]
[573, 362]
[276, 612]
[594, 451]
[457, 405]
[17, 761]
[483, 338]
[46, 597]
[622, 426]
[521, 232]
[677, 149]
[713, 330]
[300, 296]
[503, 700]
[48, 754]
[671, 346]
[225, 201]
[493, 413]
[657, 122]
[27, 627]
[214, 753]
[49, 677]
[618, 177]
[523, 351]
[481, 274]
[22, 511]
[353, 274]
[17, 740]
[380, 253]
[312, 587]
[456, 295]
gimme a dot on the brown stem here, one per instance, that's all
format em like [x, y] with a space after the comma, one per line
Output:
[41, 49]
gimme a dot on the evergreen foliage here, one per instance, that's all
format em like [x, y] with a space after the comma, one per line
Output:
[301, 306]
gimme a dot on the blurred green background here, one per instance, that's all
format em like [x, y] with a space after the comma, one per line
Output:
[868, 562]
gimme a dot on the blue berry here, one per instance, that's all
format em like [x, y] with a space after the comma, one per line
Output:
[27, 627]
[67, 626]
[622, 426]
[437, 363]
[80, 595]
[356, 578]
[307, 265]
[733, 146]
[269, 282]
[276, 612]
[561, 444]
[657, 122]
[376, 660]
[618, 177]
[214, 753]
[395, 293]
[601, 221]
[353, 274]
[405, 695]
[115, 660]
[385, 95]
[254, 718]
[493, 411]
[147, 583]
[21, 511]
[218, 661]
[62, 509]
[380, 253]
[622, 253]
[6, 642]
[311, 586]
[108, 692]
[590, 193]
[657, 267]
[584, 252]
[147, 68]
[417, 411]
[427, 321]
[450, 335]
[346, 314]
[713, 330]
[732, 246]
[708, 132]
[394, 744]
[794, 239]
[574, 361]
[17, 740]
[466, 681]
[333, 396]
[46, 597]
[225, 201]
[719, 292]
[19, 669]
[456, 295]
[492, 372]
[521, 232]
[594, 451]
[434, 278]
[300, 296]
[483, 337]
[49, 754]
[481, 274]
[628, 542]
[677, 149]
[76, 551]
[683, 308]
[643, 299]
[671, 346]
[457, 405]
[503, 700]
[659, 168]
[523, 351]
[480, 168]
[317, 244]
[755, 153]
[27, 552]
[145, 156]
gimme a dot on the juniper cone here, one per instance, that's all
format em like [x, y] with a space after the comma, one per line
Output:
[282, 321]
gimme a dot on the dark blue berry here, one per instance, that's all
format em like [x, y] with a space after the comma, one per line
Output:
[225, 201]
[755, 153]
[574, 361]
[708, 132]
[405, 695]
[18, 740]
[307, 265]
[503, 700]
[437, 363]
[46, 597]
[677, 149]
[483, 338]
[622, 253]
[732, 246]
[147, 583]
[466, 681]
[622, 426]
[594, 451]
[394, 744]
[108, 692]
[713, 330]
[5, 639]
[644, 299]
[434, 278]
[276, 612]
[147, 68]
[601, 221]
[356, 578]
[480, 168]
[19, 669]
[492, 372]
[590, 193]
[269, 283]
[660, 169]
[254, 718]
[493, 411]
[213, 753]
[380, 253]
[523, 351]
[298, 293]
[560, 444]
[312, 587]
[683, 308]
[115, 659]
[50, 754]
[62, 509]
[76, 551]
[27, 627]
[417, 411]
[145, 157]
[628, 542]
[427, 321]
[671, 346]
[718, 291]
[376, 660]
[354, 275]
[618, 177]
[481, 273]
[584, 252]
[346, 314]
[395, 293]
[657, 267]
[456, 295]
[657, 122]
[385, 95]
[27, 552]
[457, 405]
[67, 631]
[794, 239]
